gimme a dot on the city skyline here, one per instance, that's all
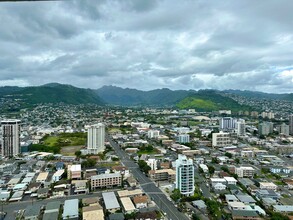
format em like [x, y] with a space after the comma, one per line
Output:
[148, 45]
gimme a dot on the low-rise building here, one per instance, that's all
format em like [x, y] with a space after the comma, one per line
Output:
[283, 208]
[93, 212]
[74, 171]
[236, 206]
[231, 198]
[163, 175]
[80, 186]
[261, 194]
[268, 185]
[245, 215]
[140, 201]
[32, 212]
[129, 193]
[246, 199]
[127, 204]
[52, 207]
[221, 139]
[244, 171]
[42, 177]
[110, 201]
[57, 176]
[70, 210]
[230, 180]
[106, 180]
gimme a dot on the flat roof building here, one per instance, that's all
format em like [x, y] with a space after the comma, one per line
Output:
[111, 202]
[129, 193]
[74, 171]
[42, 177]
[106, 180]
[70, 210]
[94, 212]
[32, 212]
[127, 204]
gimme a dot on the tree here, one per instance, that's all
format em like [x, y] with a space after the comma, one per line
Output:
[211, 169]
[195, 217]
[237, 160]
[144, 166]
[88, 163]
[214, 160]
[225, 169]
[77, 153]
[227, 154]
[176, 195]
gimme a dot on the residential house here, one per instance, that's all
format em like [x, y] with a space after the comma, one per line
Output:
[140, 201]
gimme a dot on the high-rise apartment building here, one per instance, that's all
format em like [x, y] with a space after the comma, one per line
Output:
[291, 124]
[10, 144]
[283, 129]
[95, 138]
[183, 138]
[227, 123]
[185, 175]
[265, 128]
[153, 133]
[240, 127]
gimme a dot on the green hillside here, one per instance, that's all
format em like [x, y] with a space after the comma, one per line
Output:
[207, 100]
[57, 94]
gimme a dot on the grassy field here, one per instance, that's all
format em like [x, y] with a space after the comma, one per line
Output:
[114, 130]
[66, 139]
[154, 151]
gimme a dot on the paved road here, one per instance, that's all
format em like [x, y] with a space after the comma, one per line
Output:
[148, 186]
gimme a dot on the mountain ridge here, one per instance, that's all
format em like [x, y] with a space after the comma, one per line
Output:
[112, 95]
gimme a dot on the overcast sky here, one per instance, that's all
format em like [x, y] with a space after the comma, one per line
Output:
[149, 44]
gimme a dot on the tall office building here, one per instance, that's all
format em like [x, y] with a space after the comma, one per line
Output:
[10, 144]
[291, 124]
[95, 138]
[185, 175]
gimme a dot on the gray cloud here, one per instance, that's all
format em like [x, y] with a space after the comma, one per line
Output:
[148, 44]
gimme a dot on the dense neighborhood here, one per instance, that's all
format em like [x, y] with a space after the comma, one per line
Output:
[88, 162]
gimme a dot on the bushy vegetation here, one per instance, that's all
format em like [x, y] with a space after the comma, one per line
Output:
[45, 148]
[143, 166]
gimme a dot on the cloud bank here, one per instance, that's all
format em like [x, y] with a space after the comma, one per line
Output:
[149, 44]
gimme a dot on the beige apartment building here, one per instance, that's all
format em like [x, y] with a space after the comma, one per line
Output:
[106, 180]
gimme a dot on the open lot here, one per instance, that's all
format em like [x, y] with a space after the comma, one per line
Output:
[70, 150]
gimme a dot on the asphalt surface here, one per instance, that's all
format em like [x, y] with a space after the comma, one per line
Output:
[148, 186]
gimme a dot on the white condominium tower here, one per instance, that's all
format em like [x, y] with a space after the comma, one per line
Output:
[185, 175]
[10, 137]
[95, 138]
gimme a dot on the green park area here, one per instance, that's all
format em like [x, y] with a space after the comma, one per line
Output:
[148, 150]
[61, 143]
[65, 139]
